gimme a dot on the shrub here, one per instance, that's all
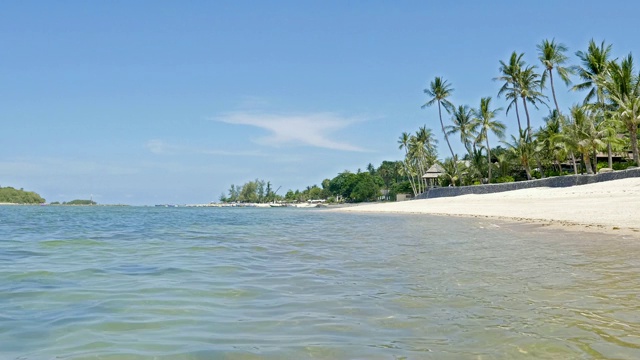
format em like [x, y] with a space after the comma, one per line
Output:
[504, 179]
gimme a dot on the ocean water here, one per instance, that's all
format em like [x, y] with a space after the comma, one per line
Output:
[242, 283]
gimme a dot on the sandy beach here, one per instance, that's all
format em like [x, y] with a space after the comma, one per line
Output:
[605, 206]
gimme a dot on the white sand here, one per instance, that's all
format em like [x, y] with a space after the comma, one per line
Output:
[609, 205]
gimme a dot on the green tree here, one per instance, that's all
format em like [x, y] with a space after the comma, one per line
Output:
[551, 55]
[485, 119]
[463, 124]
[528, 83]
[439, 91]
[623, 87]
[510, 73]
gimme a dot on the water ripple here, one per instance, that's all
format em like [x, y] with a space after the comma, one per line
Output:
[139, 283]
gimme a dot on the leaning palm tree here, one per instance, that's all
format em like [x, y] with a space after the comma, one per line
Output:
[485, 119]
[439, 91]
[551, 54]
[510, 72]
[464, 125]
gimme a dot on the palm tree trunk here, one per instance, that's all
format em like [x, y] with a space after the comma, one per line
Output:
[540, 167]
[633, 135]
[526, 110]
[587, 163]
[609, 155]
[575, 165]
[518, 116]
[488, 160]
[446, 138]
[553, 91]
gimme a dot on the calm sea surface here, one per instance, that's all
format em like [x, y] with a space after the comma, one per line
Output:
[241, 283]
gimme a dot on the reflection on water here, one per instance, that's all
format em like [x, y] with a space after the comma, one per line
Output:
[138, 283]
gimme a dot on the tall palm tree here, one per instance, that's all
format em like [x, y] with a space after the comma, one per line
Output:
[551, 55]
[486, 122]
[464, 125]
[439, 90]
[593, 72]
[528, 83]
[623, 87]
[595, 63]
[403, 142]
[510, 72]
[583, 129]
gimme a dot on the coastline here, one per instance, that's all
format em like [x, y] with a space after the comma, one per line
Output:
[611, 207]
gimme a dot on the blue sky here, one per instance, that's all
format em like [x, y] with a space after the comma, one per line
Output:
[146, 102]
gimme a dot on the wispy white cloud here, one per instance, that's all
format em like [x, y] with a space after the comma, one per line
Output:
[307, 129]
[159, 147]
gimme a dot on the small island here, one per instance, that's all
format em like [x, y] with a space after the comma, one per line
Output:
[75, 202]
[9, 195]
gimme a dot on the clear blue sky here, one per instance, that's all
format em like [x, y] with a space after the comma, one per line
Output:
[146, 102]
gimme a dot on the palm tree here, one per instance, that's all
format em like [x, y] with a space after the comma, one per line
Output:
[551, 54]
[403, 142]
[623, 87]
[439, 91]
[485, 120]
[510, 72]
[463, 123]
[593, 72]
[453, 169]
[595, 63]
[522, 149]
[528, 83]
[548, 140]
[583, 129]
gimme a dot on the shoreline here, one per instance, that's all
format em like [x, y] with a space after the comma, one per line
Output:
[611, 207]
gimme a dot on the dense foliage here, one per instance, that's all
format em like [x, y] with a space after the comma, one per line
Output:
[15, 196]
[570, 139]
[79, 202]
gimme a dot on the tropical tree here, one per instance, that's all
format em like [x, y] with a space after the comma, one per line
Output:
[623, 88]
[486, 122]
[403, 142]
[453, 170]
[551, 55]
[585, 133]
[595, 63]
[548, 140]
[528, 83]
[593, 72]
[463, 124]
[439, 90]
[522, 149]
[510, 72]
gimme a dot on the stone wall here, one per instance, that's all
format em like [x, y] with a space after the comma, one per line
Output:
[558, 181]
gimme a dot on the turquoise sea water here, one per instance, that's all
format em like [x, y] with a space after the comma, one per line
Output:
[240, 283]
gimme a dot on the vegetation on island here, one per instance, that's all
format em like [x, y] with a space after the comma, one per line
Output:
[75, 202]
[569, 141]
[15, 196]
